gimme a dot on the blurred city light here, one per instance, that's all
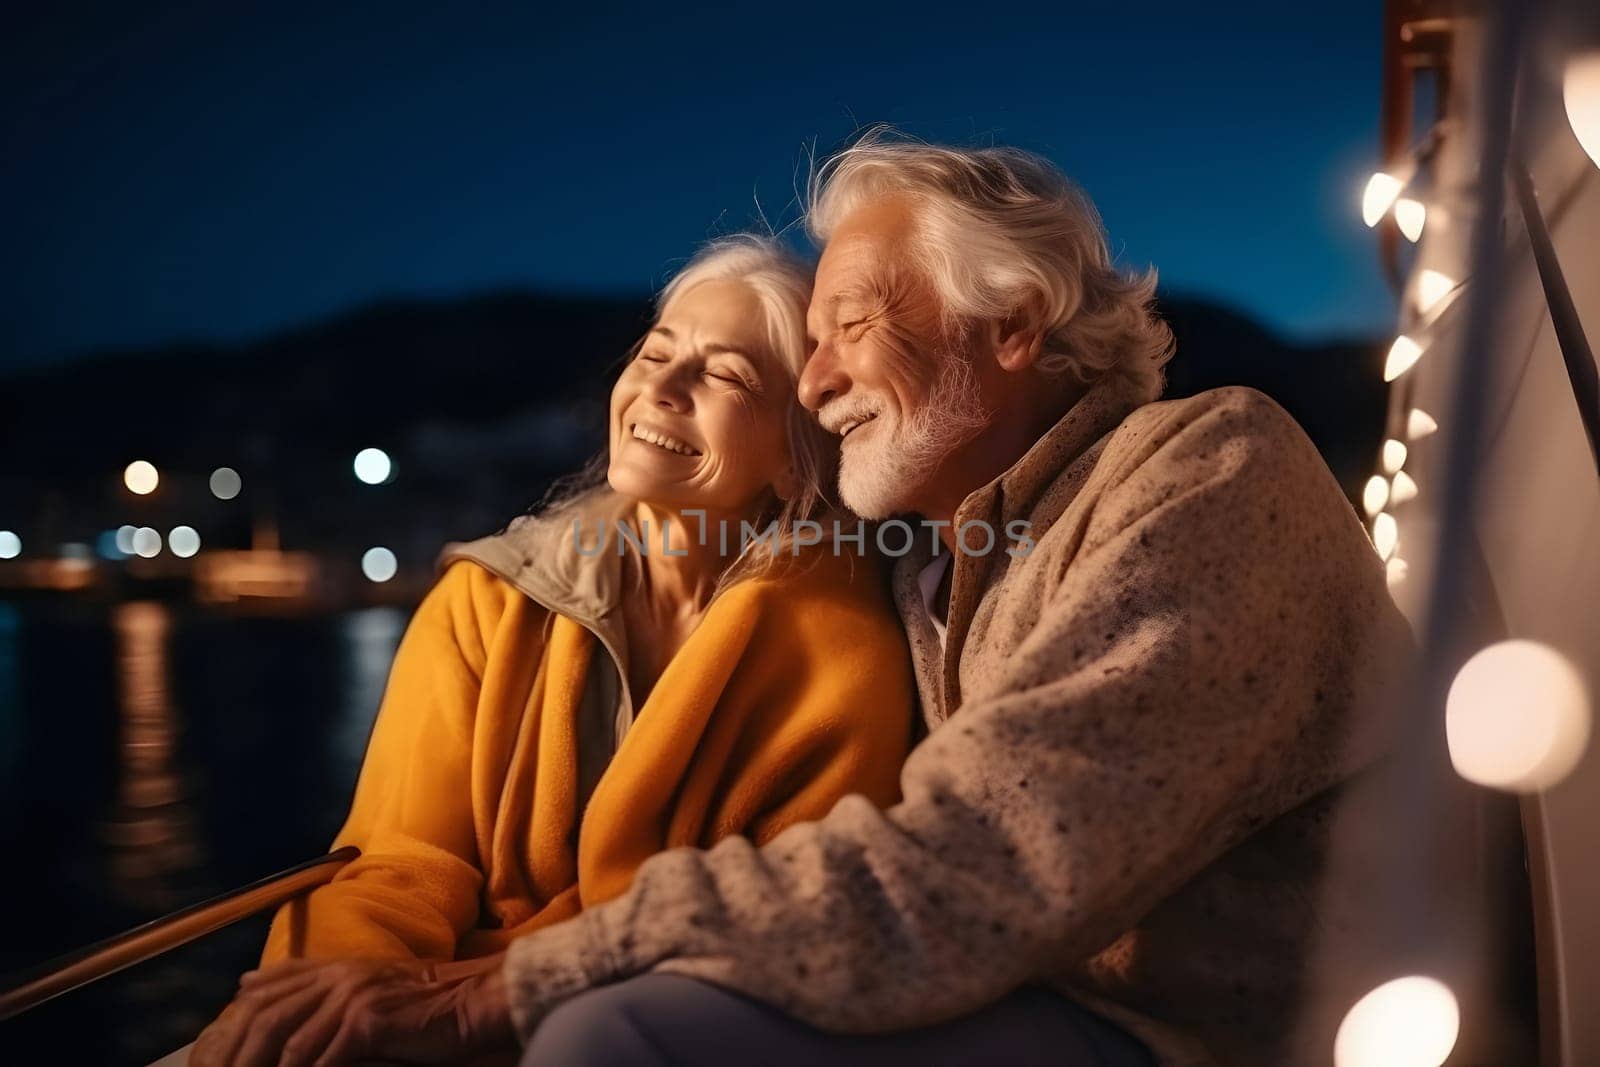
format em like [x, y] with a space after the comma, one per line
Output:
[140, 477]
[109, 544]
[146, 542]
[379, 564]
[184, 541]
[1408, 1022]
[372, 466]
[225, 483]
[125, 539]
[10, 545]
[1517, 717]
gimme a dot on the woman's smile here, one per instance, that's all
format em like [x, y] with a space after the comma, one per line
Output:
[662, 440]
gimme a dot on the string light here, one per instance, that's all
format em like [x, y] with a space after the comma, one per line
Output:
[1406, 1022]
[1395, 571]
[1404, 488]
[372, 466]
[1517, 717]
[1394, 455]
[1580, 91]
[1419, 424]
[1375, 494]
[184, 541]
[10, 545]
[1432, 287]
[1410, 215]
[1380, 193]
[1403, 355]
[225, 483]
[1385, 535]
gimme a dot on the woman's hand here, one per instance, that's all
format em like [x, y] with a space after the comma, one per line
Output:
[323, 1012]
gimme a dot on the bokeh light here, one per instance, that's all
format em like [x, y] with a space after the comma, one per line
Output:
[225, 483]
[1380, 192]
[146, 542]
[1517, 717]
[1375, 494]
[1432, 287]
[1394, 455]
[109, 544]
[1419, 424]
[1403, 355]
[1385, 534]
[10, 545]
[372, 466]
[184, 541]
[141, 477]
[1410, 216]
[1407, 1022]
[379, 564]
[125, 539]
[1580, 92]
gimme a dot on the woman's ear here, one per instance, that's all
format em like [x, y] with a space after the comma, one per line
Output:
[1018, 339]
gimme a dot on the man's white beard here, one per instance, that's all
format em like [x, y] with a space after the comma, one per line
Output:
[880, 477]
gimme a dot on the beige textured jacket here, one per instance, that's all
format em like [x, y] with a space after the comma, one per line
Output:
[1135, 735]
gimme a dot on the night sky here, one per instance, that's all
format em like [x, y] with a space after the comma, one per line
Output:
[208, 173]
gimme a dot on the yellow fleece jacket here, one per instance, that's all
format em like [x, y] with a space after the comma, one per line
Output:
[794, 691]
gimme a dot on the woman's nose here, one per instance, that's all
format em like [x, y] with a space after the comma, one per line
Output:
[823, 378]
[666, 389]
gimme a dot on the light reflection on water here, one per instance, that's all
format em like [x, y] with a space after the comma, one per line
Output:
[153, 755]
[151, 831]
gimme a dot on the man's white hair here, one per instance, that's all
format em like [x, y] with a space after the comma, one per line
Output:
[998, 230]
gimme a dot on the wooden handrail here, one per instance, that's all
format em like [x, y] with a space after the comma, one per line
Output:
[69, 972]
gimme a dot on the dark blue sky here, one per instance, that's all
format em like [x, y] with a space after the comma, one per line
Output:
[205, 173]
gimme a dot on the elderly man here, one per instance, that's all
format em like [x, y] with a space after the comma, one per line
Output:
[1111, 845]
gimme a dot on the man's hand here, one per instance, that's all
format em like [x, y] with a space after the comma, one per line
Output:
[311, 1012]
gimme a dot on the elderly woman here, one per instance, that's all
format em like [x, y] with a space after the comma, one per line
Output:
[620, 674]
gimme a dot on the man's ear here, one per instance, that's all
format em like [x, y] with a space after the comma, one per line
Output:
[1017, 339]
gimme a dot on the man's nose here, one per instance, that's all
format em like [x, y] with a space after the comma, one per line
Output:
[823, 378]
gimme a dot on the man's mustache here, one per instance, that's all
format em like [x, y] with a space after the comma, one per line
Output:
[835, 415]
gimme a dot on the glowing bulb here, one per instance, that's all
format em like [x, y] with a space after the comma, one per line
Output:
[372, 466]
[1580, 89]
[379, 564]
[225, 483]
[184, 541]
[140, 477]
[10, 545]
[1380, 192]
[1407, 1022]
[1403, 354]
[1395, 571]
[1517, 717]
[1385, 534]
[1404, 488]
[1419, 424]
[1394, 455]
[146, 542]
[1432, 287]
[1410, 215]
[1376, 494]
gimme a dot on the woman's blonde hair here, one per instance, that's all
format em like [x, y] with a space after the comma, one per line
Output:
[781, 281]
[1000, 230]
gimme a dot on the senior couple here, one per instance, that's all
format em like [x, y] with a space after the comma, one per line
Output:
[787, 800]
